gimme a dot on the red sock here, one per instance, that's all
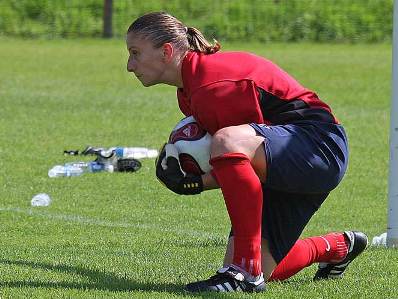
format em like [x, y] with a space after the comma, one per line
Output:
[243, 197]
[329, 248]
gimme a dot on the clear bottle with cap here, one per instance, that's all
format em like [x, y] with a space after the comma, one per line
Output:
[119, 152]
[135, 152]
[78, 168]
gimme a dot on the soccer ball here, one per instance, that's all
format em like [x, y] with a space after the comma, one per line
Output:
[193, 145]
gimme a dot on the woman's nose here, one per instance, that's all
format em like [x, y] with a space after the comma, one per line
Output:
[130, 65]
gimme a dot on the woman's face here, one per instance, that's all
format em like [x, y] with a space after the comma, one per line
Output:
[146, 62]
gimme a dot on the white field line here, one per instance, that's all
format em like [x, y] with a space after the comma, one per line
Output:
[106, 223]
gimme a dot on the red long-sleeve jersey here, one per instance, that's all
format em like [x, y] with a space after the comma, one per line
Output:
[233, 88]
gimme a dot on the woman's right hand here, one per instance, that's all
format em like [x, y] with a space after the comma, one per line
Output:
[170, 173]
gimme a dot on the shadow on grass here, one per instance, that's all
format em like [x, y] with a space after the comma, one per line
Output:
[99, 280]
[105, 281]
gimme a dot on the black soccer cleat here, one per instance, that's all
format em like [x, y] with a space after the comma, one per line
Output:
[227, 280]
[358, 243]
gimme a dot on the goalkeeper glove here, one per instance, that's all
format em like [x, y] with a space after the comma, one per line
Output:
[170, 173]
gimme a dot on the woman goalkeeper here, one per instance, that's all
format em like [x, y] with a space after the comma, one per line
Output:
[277, 152]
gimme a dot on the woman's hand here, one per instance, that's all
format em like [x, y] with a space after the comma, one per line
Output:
[170, 173]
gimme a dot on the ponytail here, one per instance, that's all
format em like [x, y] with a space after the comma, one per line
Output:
[197, 42]
[161, 28]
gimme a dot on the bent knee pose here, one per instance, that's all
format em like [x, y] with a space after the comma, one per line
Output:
[277, 152]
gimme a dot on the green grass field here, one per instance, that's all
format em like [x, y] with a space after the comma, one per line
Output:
[124, 235]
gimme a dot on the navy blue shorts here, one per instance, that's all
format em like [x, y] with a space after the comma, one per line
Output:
[305, 161]
[304, 157]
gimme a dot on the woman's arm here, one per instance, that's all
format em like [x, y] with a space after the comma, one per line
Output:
[209, 182]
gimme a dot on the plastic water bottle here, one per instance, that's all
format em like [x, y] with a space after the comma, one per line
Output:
[119, 152]
[135, 152]
[78, 168]
[40, 200]
[64, 170]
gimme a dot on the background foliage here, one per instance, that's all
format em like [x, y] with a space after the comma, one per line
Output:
[226, 20]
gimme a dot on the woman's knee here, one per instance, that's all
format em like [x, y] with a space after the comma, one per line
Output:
[224, 141]
[236, 139]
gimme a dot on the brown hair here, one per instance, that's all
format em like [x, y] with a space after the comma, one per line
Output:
[161, 28]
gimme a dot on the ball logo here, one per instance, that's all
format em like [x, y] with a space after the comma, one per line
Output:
[189, 132]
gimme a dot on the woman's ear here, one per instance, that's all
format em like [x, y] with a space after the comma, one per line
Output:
[168, 52]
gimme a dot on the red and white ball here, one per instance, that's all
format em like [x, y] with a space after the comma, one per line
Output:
[193, 145]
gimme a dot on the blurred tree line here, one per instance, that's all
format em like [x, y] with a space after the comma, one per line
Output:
[225, 20]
